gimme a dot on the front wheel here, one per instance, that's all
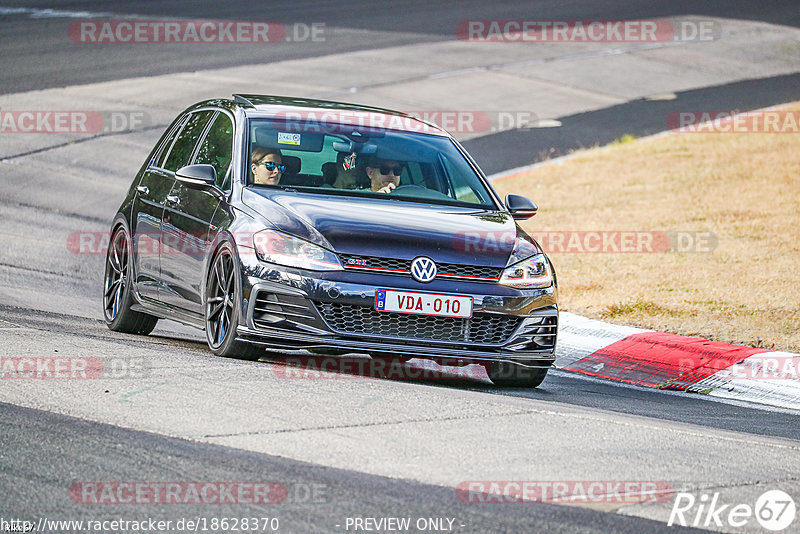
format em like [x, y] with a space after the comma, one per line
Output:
[222, 305]
[512, 375]
[117, 292]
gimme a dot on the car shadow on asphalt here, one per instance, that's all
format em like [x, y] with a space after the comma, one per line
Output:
[416, 371]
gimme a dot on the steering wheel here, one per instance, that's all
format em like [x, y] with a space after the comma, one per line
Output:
[411, 189]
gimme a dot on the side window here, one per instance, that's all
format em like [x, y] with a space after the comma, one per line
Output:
[461, 186]
[184, 144]
[162, 154]
[217, 148]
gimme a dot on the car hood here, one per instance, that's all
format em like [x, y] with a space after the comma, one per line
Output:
[389, 228]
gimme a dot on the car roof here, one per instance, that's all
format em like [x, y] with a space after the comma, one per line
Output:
[295, 108]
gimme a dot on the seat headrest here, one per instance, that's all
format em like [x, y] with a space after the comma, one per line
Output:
[292, 164]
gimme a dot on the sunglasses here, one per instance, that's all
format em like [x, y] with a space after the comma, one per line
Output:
[397, 171]
[271, 166]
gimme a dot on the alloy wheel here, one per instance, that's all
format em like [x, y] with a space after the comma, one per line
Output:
[116, 273]
[220, 299]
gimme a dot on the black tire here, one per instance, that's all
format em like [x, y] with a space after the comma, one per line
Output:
[117, 293]
[222, 305]
[506, 374]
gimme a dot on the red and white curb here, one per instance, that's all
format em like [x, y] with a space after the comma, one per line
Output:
[670, 361]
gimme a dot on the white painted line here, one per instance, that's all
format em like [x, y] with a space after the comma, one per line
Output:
[546, 123]
[52, 13]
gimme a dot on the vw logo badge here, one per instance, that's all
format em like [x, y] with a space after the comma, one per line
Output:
[423, 269]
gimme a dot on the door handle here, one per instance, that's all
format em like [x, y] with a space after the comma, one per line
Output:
[173, 199]
[142, 189]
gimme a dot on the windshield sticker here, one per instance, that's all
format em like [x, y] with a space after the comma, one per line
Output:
[288, 138]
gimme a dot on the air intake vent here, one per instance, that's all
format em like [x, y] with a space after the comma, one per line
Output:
[271, 308]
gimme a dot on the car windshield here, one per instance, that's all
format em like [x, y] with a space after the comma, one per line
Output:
[348, 160]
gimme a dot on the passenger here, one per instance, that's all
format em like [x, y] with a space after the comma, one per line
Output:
[384, 174]
[329, 174]
[266, 166]
[345, 178]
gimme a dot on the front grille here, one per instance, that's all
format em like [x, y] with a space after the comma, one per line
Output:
[351, 261]
[483, 328]
[463, 271]
[451, 271]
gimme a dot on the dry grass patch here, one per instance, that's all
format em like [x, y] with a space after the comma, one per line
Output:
[743, 188]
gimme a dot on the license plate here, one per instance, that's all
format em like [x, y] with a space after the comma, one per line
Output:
[423, 303]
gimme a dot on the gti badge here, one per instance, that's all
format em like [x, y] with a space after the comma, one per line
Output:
[423, 269]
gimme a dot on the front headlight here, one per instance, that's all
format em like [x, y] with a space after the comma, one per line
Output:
[531, 273]
[276, 247]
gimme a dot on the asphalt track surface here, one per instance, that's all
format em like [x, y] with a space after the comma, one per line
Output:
[45, 452]
[35, 54]
[318, 499]
[500, 152]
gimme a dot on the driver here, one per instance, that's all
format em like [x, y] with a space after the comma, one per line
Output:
[384, 174]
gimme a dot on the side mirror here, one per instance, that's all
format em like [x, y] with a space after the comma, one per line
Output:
[520, 207]
[197, 176]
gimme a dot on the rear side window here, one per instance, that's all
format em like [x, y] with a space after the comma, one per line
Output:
[159, 158]
[187, 139]
[217, 148]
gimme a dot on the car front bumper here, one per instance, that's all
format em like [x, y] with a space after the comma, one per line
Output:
[287, 308]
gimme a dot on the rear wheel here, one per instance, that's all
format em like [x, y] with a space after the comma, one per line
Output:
[117, 292]
[513, 375]
[222, 305]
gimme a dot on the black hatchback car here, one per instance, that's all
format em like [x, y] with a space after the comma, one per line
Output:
[290, 223]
